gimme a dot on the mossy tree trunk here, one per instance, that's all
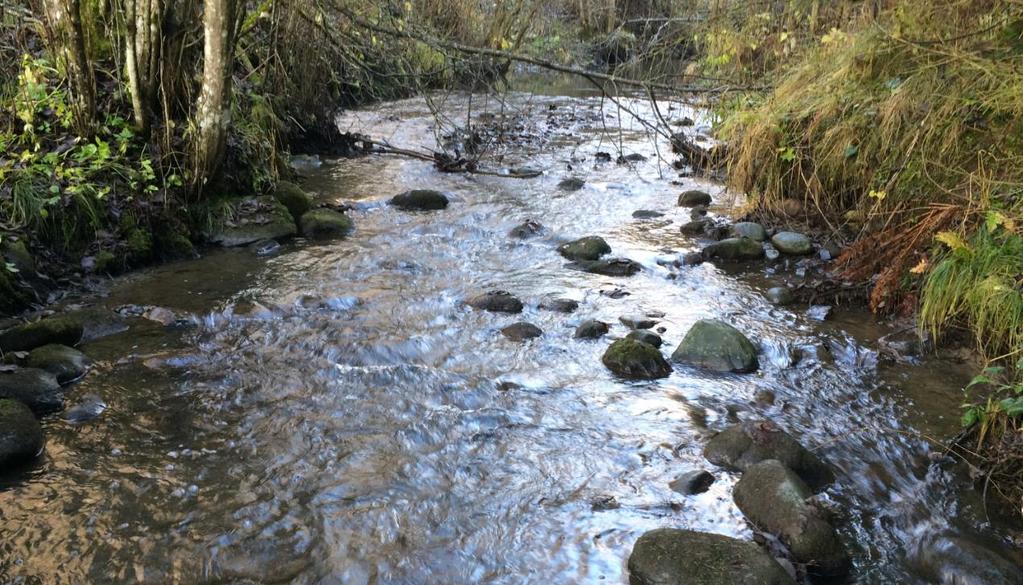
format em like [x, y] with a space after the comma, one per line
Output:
[213, 107]
[142, 48]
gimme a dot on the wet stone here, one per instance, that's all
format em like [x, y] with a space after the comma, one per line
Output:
[612, 267]
[692, 482]
[693, 198]
[637, 321]
[776, 500]
[521, 331]
[644, 336]
[66, 363]
[588, 248]
[591, 329]
[780, 295]
[37, 389]
[692, 259]
[748, 229]
[420, 200]
[670, 556]
[294, 198]
[323, 224]
[636, 360]
[497, 301]
[527, 229]
[734, 249]
[88, 408]
[646, 214]
[571, 184]
[716, 345]
[559, 305]
[741, 446]
[21, 437]
[265, 247]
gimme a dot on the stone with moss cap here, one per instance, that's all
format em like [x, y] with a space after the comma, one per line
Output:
[321, 224]
[671, 556]
[245, 221]
[716, 345]
[21, 437]
[588, 248]
[775, 500]
[294, 198]
[637, 360]
[733, 249]
[62, 330]
[66, 363]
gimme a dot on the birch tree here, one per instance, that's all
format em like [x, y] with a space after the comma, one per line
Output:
[213, 107]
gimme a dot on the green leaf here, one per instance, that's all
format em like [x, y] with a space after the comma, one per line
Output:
[851, 151]
[970, 417]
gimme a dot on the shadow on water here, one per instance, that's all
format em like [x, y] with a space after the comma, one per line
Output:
[335, 414]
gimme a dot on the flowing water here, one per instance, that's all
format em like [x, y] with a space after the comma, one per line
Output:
[335, 414]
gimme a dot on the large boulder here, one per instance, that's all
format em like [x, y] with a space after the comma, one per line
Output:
[62, 330]
[294, 198]
[420, 200]
[612, 267]
[66, 363]
[775, 500]
[37, 389]
[321, 224]
[715, 345]
[792, 243]
[734, 249]
[629, 358]
[496, 301]
[521, 331]
[250, 220]
[588, 248]
[670, 556]
[21, 437]
[693, 198]
[741, 446]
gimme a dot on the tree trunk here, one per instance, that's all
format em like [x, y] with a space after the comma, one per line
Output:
[64, 28]
[213, 108]
[142, 47]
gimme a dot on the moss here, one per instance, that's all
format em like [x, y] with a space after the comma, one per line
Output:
[139, 243]
[172, 242]
[294, 198]
[13, 298]
[61, 330]
[634, 359]
[107, 263]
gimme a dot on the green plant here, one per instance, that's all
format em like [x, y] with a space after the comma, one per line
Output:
[1003, 408]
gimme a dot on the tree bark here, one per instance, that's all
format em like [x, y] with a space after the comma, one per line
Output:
[142, 49]
[64, 28]
[213, 107]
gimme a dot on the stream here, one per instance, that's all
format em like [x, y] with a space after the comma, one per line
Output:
[335, 414]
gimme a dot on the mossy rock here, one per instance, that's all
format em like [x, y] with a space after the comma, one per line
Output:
[172, 242]
[734, 249]
[139, 245]
[13, 298]
[588, 248]
[671, 556]
[637, 360]
[37, 389]
[107, 263]
[66, 363]
[775, 500]
[420, 200]
[322, 224]
[741, 446]
[715, 345]
[792, 243]
[16, 254]
[21, 436]
[249, 220]
[294, 198]
[62, 330]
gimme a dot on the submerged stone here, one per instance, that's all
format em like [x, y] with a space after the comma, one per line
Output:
[571, 184]
[646, 214]
[62, 330]
[774, 499]
[716, 345]
[780, 295]
[741, 446]
[66, 363]
[588, 248]
[633, 359]
[670, 556]
[638, 321]
[612, 267]
[526, 229]
[21, 437]
[321, 224]
[420, 200]
[559, 305]
[521, 331]
[497, 301]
